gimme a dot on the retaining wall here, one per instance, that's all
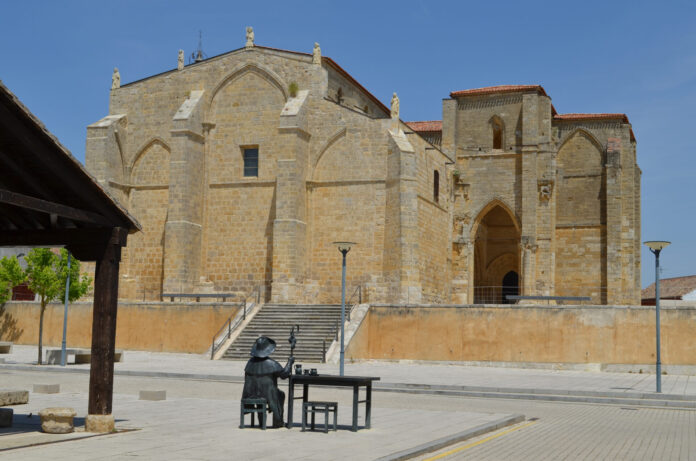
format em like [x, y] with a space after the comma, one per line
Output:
[538, 334]
[148, 326]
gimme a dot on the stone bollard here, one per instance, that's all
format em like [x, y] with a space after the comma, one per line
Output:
[153, 395]
[99, 423]
[46, 388]
[57, 420]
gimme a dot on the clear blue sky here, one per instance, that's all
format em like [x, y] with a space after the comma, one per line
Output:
[634, 57]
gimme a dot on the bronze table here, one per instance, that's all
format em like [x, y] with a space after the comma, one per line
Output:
[337, 381]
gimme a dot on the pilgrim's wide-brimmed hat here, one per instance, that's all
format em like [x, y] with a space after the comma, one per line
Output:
[263, 347]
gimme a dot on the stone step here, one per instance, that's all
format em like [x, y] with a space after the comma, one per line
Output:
[317, 324]
[262, 330]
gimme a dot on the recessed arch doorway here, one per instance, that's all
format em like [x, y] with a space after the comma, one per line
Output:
[496, 255]
[511, 286]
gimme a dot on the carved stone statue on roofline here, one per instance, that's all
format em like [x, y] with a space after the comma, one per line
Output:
[180, 60]
[316, 54]
[395, 107]
[249, 37]
[115, 79]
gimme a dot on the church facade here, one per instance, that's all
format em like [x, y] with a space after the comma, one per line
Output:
[244, 168]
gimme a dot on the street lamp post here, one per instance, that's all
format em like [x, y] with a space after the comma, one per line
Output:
[344, 248]
[65, 316]
[655, 247]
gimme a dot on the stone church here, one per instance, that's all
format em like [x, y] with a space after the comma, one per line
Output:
[244, 168]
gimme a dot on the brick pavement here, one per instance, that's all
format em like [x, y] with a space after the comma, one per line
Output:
[581, 432]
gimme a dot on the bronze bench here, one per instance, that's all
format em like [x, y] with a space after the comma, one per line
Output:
[323, 407]
[252, 406]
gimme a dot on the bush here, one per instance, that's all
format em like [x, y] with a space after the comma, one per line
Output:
[293, 88]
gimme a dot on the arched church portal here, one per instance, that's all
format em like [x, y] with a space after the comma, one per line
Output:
[496, 257]
[511, 286]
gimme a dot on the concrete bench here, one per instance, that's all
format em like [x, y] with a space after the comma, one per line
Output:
[53, 356]
[13, 397]
[5, 347]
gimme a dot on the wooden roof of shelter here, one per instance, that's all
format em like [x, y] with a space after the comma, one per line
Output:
[47, 198]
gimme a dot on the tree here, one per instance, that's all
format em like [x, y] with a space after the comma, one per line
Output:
[11, 275]
[47, 273]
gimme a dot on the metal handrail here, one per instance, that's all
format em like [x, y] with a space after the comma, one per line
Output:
[237, 321]
[357, 290]
[502, 294]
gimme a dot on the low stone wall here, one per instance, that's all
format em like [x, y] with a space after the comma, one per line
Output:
[147, 326]
[531, 334]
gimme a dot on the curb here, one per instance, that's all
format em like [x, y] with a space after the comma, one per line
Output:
[443, 442]
[146, 374]
[552, 395]
[569, 398]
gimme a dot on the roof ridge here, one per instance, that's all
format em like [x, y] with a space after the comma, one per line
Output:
[498, 89]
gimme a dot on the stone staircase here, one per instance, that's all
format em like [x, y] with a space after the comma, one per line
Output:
[317, 323]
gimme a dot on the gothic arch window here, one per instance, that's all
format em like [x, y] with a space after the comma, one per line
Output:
[436, 186]
[498, 131]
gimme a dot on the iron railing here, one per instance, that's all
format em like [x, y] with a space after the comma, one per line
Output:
[498, 295]
[358, 291]
[234, 321]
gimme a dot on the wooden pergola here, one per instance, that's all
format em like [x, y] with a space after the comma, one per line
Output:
[47, 198]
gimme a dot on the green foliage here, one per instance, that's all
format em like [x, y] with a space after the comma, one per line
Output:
[79, 285]
[293, 88]
[11, 275]
[46, 272]
[457, 173]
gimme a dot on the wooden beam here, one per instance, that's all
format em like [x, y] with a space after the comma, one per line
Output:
[44, 206]
[15, 217]
[29, 140]
[58, 237]
[101, 373]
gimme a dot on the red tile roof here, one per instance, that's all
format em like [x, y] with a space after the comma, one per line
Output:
[675, 287]
[498, 89]
[622, 117]
[427, 125]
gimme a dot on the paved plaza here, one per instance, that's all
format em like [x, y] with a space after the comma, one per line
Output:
[415, 405]
[198, 366]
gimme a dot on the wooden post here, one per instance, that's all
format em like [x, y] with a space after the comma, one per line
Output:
[101, 376]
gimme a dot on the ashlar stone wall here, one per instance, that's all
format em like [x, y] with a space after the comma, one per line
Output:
[324, 175]
[553, 200]
[569, 185]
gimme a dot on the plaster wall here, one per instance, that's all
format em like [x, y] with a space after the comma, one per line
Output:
[572, 334]
[156, 326]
